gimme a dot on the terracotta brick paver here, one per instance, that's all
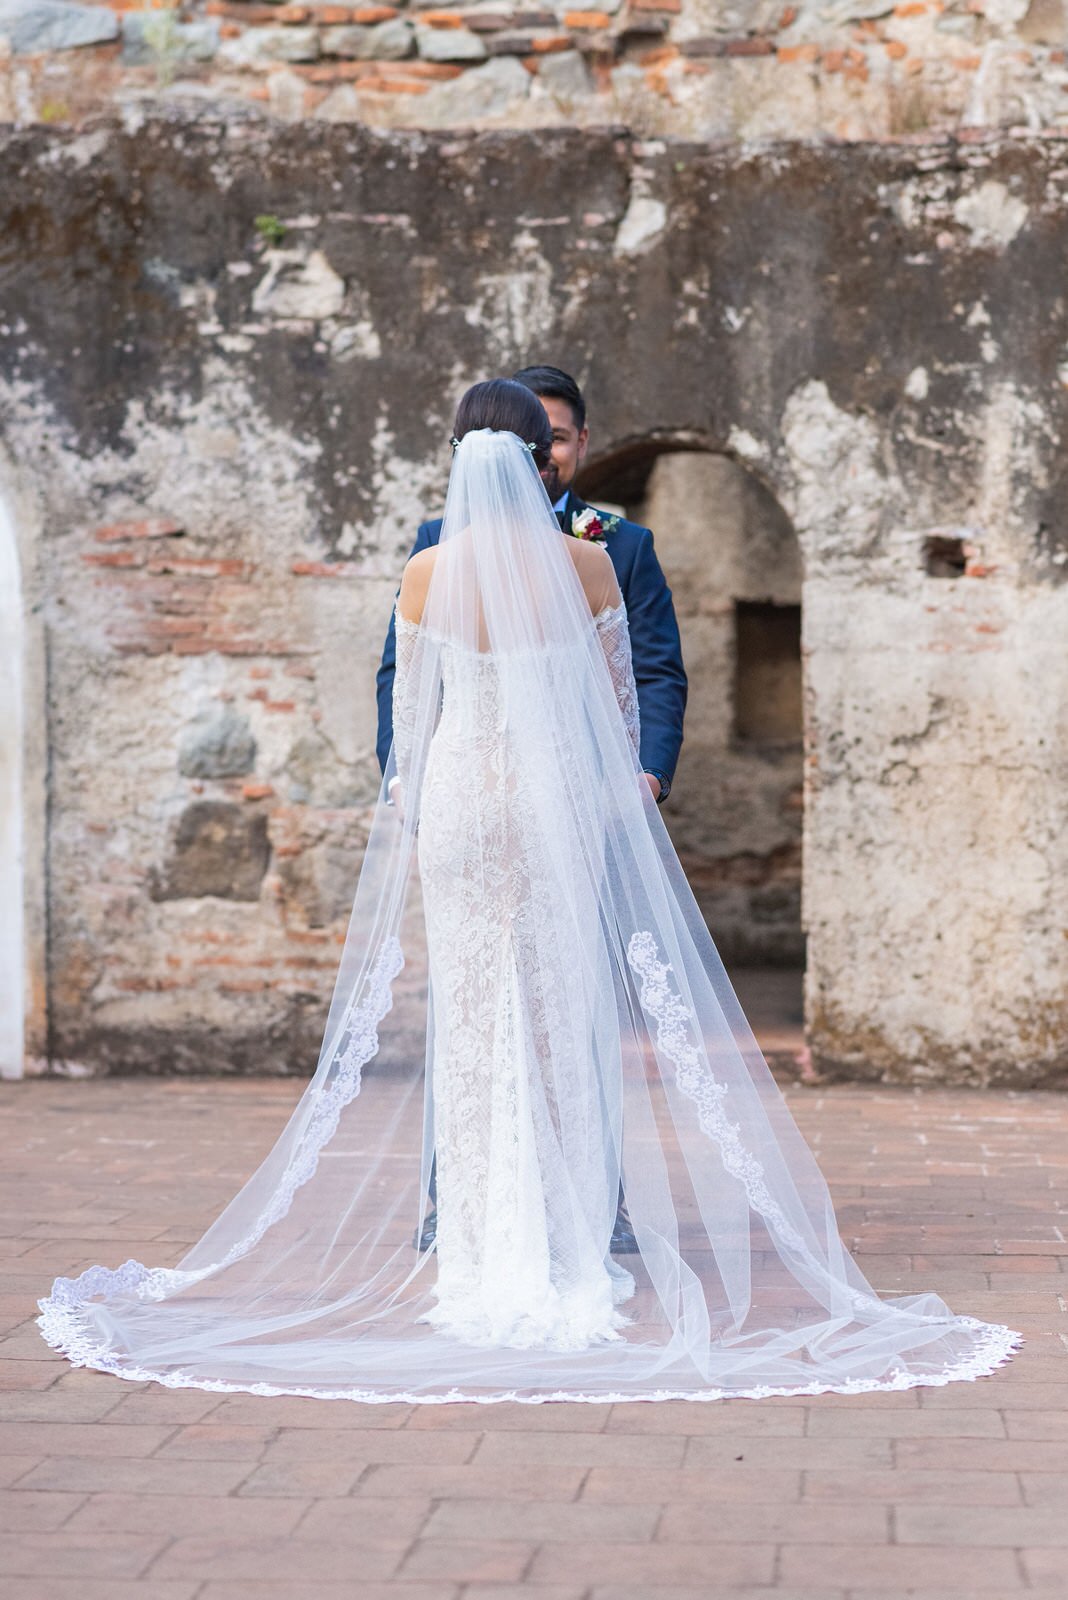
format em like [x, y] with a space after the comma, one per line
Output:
[116, 1491]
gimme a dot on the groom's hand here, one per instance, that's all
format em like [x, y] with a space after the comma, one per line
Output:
[654, 784]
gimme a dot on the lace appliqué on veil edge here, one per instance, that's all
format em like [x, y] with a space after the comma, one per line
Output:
[358, 1037]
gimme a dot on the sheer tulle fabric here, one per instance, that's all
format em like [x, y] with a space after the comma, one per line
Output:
[527, 990]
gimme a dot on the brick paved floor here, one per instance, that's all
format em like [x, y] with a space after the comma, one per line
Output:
[116, 1491]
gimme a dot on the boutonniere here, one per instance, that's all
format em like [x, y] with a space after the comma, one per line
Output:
[591, 524]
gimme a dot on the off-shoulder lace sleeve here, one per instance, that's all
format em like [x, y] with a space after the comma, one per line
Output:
[404, 697]
[614, 634]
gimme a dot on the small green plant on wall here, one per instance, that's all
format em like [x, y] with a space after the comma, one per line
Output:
[271, 229]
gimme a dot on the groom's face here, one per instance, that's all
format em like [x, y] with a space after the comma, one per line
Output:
[569, 447]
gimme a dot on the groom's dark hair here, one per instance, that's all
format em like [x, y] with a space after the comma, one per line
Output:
[508, 407]
[552, 384]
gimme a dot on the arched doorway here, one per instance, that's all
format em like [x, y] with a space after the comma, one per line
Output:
[12, 941]
[735, 814]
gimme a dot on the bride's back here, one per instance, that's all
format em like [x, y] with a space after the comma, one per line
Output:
[592, 564]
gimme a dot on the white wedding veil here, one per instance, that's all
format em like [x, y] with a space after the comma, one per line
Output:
[528, 989]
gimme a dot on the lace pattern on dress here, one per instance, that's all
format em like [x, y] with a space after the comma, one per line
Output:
[614, 633]
[404, 709]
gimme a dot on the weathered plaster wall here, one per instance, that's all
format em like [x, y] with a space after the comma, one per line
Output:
[228, 430]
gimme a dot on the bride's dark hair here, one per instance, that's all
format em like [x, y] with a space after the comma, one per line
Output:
[508, 407]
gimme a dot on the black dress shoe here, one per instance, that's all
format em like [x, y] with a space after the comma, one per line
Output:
[426, 1236]
[623, 1241]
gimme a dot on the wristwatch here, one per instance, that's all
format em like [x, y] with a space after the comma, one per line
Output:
[665, 784]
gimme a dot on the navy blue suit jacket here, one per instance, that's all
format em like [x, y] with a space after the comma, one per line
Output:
[659, 675]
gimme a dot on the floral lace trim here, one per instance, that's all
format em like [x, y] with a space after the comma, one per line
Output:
[62, 1328]
[613, 630]
[358, 1037]
[673, 1018]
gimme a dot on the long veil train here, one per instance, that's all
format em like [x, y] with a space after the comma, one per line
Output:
[528, 992]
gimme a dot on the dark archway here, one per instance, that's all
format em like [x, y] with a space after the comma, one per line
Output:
[735, 814]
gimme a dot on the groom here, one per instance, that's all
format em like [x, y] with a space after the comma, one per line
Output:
[659, 676]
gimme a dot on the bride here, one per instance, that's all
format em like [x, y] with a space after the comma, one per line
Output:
[529, 997]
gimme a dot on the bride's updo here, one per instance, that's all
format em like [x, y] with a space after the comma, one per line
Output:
[507, 407]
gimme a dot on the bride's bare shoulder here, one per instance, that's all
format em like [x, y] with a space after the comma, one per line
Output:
[415, 581]
[597, 572]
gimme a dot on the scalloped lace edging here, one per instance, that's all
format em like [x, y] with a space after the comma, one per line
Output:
[62, 1328]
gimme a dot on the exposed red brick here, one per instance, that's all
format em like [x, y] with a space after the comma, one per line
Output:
[257, 791]
[114, 558]
[336, 71]
[148, 528]
[799, 52]
[323, 569]
[749, 47]
[656, 5]
[789, 17]
[168, 628]
[658, 55]
[279, 705]
[147, 985]
[488, 22]
[912, 8]
[251, 14]
[551, 44]
[442, 19]
[587, 19]
[191, 566]
[366, 15]
[437, 70]
[895, 49]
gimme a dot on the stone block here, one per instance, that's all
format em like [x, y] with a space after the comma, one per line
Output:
[271, 44]
[151, 38]
[217, 849]
[386, 41]
[34, 26]
[218, 743]
[450, 44]
[566, 76]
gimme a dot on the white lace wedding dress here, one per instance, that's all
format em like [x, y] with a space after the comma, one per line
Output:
[520, 1233]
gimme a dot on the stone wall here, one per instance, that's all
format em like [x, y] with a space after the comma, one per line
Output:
[854, 69]
[229, 355]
